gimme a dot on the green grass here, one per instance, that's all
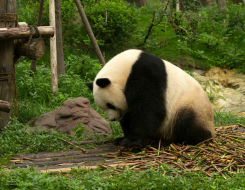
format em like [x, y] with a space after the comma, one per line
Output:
[226, 118]
[97, 179]
[34, 98]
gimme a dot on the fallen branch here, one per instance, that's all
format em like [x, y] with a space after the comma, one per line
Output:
[73, 144]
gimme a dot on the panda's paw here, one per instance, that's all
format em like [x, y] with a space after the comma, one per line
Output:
[118, 141]
[129, 142]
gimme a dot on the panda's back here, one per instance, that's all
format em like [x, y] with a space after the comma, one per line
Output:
[179, 82]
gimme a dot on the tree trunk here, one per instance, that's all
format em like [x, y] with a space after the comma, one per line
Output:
[222, 6]
[39, 21]
[59, 41]
[6, 60]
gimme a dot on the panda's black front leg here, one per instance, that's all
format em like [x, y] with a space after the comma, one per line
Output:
[125, 124]
[142, 127]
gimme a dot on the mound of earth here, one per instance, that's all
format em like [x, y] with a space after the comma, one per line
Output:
[66, 118]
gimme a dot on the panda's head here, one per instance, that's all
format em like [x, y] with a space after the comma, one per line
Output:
[109, 84]
[109, 97]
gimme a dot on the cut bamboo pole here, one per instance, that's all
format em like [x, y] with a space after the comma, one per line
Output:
[53, 50]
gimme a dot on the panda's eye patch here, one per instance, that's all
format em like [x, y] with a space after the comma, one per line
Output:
[110, 106]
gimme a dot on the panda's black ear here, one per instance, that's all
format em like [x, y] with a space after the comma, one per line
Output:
[90, 85]
[103, 82]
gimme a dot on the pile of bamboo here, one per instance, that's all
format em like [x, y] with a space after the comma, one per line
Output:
[223, 154]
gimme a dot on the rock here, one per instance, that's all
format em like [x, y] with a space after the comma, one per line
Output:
[69, 115]
[228, 78]
[228, 98]
[198, 71]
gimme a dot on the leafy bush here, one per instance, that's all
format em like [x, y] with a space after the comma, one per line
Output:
[82, 65]
[71, 26]
[121, 19]
[213, 37]
[35, 91]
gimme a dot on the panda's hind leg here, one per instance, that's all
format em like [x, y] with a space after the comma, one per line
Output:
[192, 128]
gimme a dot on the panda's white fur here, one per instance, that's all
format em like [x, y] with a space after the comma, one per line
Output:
[182, 91]
[195, 97]
[117, 71]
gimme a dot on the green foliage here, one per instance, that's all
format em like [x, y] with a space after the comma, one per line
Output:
[205, 35]
[121, 20]
[213, 37]
[82, 65]
[35, 91]
[17, 139]
[71, 24]
[224, 118]
[127, 179]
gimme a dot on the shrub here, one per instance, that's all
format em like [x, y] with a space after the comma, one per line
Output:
[36, 91]
[213, 37]
[71, 28]
[121, 19]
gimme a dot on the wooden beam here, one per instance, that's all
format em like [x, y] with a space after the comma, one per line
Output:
[53, 50]
[90, 32]
[40, 13]
[24, 32]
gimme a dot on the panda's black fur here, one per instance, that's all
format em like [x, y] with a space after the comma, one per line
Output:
[145, 93]
[146, 110]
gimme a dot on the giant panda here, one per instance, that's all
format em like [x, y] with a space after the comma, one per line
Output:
[152, 99]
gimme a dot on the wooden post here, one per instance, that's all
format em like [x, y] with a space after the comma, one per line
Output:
[90, 32]
[59, 41]
[177, 5]
[53, 51]
[39, 21]
[6, 59]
